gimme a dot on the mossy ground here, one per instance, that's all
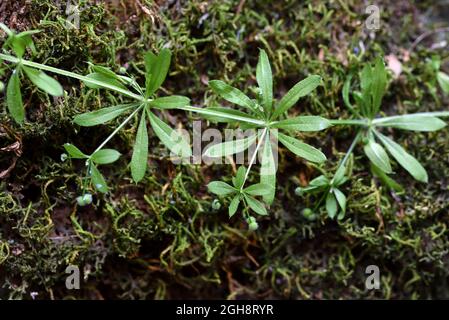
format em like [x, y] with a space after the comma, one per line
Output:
[161, 239]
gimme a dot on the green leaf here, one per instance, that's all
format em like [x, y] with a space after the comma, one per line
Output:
[301, 89]
[259, 189]
[140, 151]
[378, 85]
[156, 69]
[105, 156]
[407, 161]
[218, 114]
[345, 93]
[221, 188]
[14, 98]
[44, 82]
[377, 155]
[101, 116]
[268, 170]
[170, 102]
[319, 181]
[302, 149]
[443, 81]
[339, 177]
[172, 139]
[98, 180]
[303, 123]
[412, 122]
[265, 80]
[230, 147]
[256, 205]
[239, 178]
[331, 205]
[341, 199]
[232, 94]
[364, 100]
[74, 152]
[234, 205]
[102, 77]
[389, 182]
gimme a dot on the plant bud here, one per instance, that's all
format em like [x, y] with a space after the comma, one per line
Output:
[216, 205]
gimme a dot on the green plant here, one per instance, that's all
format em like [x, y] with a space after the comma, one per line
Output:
[373, 84]
[269, 113]
[263, 113]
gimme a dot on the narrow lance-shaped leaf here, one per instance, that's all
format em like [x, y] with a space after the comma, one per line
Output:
[265, 80]
[102, 77]
[259, 189]
[172, 139]
[341, 199]
[412, 122]
[44, 82]
[14, 98]
[170, 102]
[230, 147]
[234, 205]
[268, 170]
[105, 156]
[407, 161]
[239, 177]
[443, 80]
[156, 69]
[97, 179]
[303, 123]
[331, 205]
[377, 155]
[256, 205]
[302, 149]
[301, 89]
[101, 116]
[140, 151]
[74, 152]
[378, 85]
[232, 94]
[220, 188]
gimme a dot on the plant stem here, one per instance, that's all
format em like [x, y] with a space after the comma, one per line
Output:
[71, 75]
[253, 158]
[118, 128]
[216, 113]
[354, 122]
[348, 153]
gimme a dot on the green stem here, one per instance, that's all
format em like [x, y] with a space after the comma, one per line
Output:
[253, 158]
[118, 128]
[348, 153]
[354, 122]
[216, 113]
[71, 75]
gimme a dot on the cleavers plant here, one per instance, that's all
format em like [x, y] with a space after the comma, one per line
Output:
[266, 115]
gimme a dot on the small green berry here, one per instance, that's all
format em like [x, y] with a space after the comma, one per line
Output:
[2, 86]
[84, 200]
[309, 214]
[252, 224]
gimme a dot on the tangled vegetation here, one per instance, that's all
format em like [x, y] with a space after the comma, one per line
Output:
[159, 233]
